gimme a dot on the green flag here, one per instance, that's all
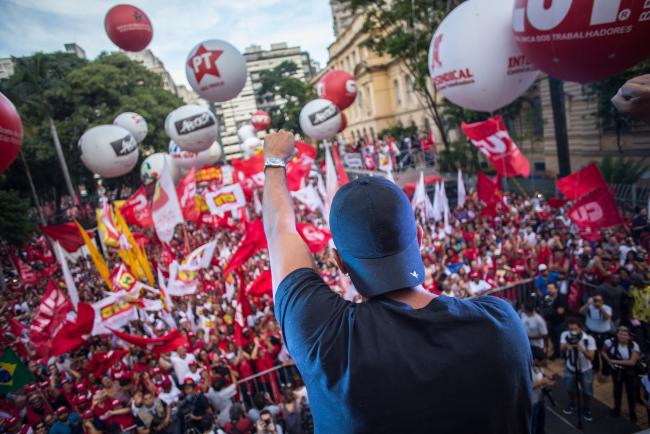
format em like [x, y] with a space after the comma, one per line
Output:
[13, 372]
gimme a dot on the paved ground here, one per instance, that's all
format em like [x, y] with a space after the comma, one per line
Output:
[603, 423]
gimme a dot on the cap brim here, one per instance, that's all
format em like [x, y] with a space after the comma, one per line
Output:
[377, 276]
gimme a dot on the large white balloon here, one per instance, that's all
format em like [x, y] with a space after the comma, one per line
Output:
[108, 150]
[216, 70]
[474, 60]
[133, 123]
[152, 166]
[250, 146]
[192, 127]
[320, 119]
[186, 160]
[246, 131]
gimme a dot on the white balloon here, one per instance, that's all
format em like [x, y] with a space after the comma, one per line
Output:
[479, 70]
[133, 123]
[216, 70]
[320, 119]
[186, 160]
[250, 146]
[152, 166]
[246, 131]
[108, 150]
[192, 127]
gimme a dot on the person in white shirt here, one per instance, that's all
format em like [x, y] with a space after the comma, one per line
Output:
[535, 325]
[622, 354]
[181, 360]
[598, 322]
[477, 285]
[579, 349]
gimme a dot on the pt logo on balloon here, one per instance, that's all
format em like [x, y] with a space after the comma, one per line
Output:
[205, 62]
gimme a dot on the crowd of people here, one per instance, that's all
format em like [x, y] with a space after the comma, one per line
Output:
[217, 383]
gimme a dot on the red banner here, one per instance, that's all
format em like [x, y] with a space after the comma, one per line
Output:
[136, 209]
[27, 274]
[66, 234]
[186, 192]
[316, 239]
[492, 138]
[595, 210]
[164, 344]
[582, 182]
[51, 313]
[253, 241]
[103, 360]
[488, 189]
[261, 285]
[73, 333]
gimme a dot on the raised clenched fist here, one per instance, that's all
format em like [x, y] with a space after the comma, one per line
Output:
[633, 98]
[279, 145]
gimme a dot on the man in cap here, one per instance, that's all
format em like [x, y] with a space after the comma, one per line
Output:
[544, 278]
[401, 361]
[66, 423]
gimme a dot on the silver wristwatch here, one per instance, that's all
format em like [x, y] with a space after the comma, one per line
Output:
[274, 162]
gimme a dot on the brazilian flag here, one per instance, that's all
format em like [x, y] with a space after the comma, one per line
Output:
[13, 372]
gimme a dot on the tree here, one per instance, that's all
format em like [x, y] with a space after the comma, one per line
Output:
[620, 171]
[77, 95]
[284, 95]
[15, 225]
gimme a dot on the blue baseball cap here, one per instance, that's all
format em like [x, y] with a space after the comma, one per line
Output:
[374, 231]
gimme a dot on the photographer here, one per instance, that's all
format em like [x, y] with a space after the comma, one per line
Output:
[554, 308]
[598, 322]
[622, 354]
[579, 349]
[540, 382]
[194, 409]
[265, 424]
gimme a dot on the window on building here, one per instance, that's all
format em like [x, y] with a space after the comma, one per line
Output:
[354, 58]
[369, 103]
[540, 166]
[360, 99]
[372, 133]
[409, 89]
[398, 92]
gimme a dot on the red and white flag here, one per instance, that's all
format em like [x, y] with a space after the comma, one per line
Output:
[27, 274]
[242, 310]
[492, 138]
[582, 182]
[49, 317]
[315, 238]
[186, 192]
[136, 209]
[74, 333]
[595, 210]
[165, 210]
[310, 197]
[164, 344]
[227, 198]
[114, 311]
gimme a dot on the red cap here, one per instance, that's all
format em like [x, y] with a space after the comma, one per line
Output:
[79, 387]
[193, 363]
[61, 410]
[188, 380]
[474, 274]
[166, 383]
[30, 388]
[156, 370]
[88, 414]
[82, 398]
[44, 384]
[116, 403]
[12, 421]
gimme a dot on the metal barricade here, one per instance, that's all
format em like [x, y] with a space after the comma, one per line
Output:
[269, 381]
[516, 293]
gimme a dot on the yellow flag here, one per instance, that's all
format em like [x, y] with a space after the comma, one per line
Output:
[140, 258]
[97, 258]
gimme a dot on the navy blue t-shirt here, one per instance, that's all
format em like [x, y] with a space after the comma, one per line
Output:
[452, 367]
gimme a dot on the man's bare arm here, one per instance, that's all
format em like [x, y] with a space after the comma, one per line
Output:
[287, 250]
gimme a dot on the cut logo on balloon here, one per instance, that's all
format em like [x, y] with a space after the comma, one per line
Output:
[204, 62]
[324, 114]
[124, 146]
[194, 123]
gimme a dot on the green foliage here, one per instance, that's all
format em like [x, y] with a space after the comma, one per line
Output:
[620, 171]
[77, 95]
[398, 131]
[459, 155]
[15, 225]
[283, 95]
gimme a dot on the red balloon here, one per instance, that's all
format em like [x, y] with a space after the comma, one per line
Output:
[260, 120]
[11, 133]
[582, 40]
[339, 87]
[344, 122]
[128, 27]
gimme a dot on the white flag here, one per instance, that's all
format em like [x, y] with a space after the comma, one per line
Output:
[201, 257]
[309, 196]
[462, 194]
[165, 210]
[331, 180]
[227, 198]
[445, 207]
[421, 200]
[67, 276]
[437, 204]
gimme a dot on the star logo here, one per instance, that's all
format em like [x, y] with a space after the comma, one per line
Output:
[204, 62]
[414, 274]
[137, 16]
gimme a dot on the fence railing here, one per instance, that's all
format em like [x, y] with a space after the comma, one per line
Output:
[269, 381]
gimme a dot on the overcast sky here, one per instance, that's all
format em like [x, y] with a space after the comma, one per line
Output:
[45, 25]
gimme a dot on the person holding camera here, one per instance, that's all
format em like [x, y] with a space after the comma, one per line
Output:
[622, 354]
[598, 321]
[265, 424]
[579, 349]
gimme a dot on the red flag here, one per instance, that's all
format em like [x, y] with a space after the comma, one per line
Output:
[67, 234]
[556, 202]
[494, 141]
[261, 285]
[73, 334]
[49, 317]
[27, 274]
[582, 182]
[186, 192]
[242, 310]
[409, 189]
[488, 189]
[298, 169]
[103, 360]
[316, 239]
[342, 175]
[595, 210]
[164, 344]
[136, 209]
[253, 241]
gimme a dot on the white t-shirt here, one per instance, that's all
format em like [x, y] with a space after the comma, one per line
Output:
[595, 320]
[475, 288]
[623, 350]
[181, 366]
[583, 362]
[535, 326]
[538, 375]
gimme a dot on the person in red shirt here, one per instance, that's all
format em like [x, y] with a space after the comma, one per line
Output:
[36, 410]
[121, 415]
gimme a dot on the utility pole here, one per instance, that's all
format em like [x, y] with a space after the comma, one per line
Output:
[559, 122]
[64, 166]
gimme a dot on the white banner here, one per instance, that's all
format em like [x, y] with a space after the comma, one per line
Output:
[165, 210]
[227, 198]
[114, 312]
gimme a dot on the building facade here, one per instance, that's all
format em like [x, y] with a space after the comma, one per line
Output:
[155, 65]
[237, 112]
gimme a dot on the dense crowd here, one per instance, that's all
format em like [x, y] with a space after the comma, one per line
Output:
[219, 384]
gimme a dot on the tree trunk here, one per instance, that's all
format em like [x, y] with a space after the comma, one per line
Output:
[559, 122]
[64, 166]
[28, 173]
